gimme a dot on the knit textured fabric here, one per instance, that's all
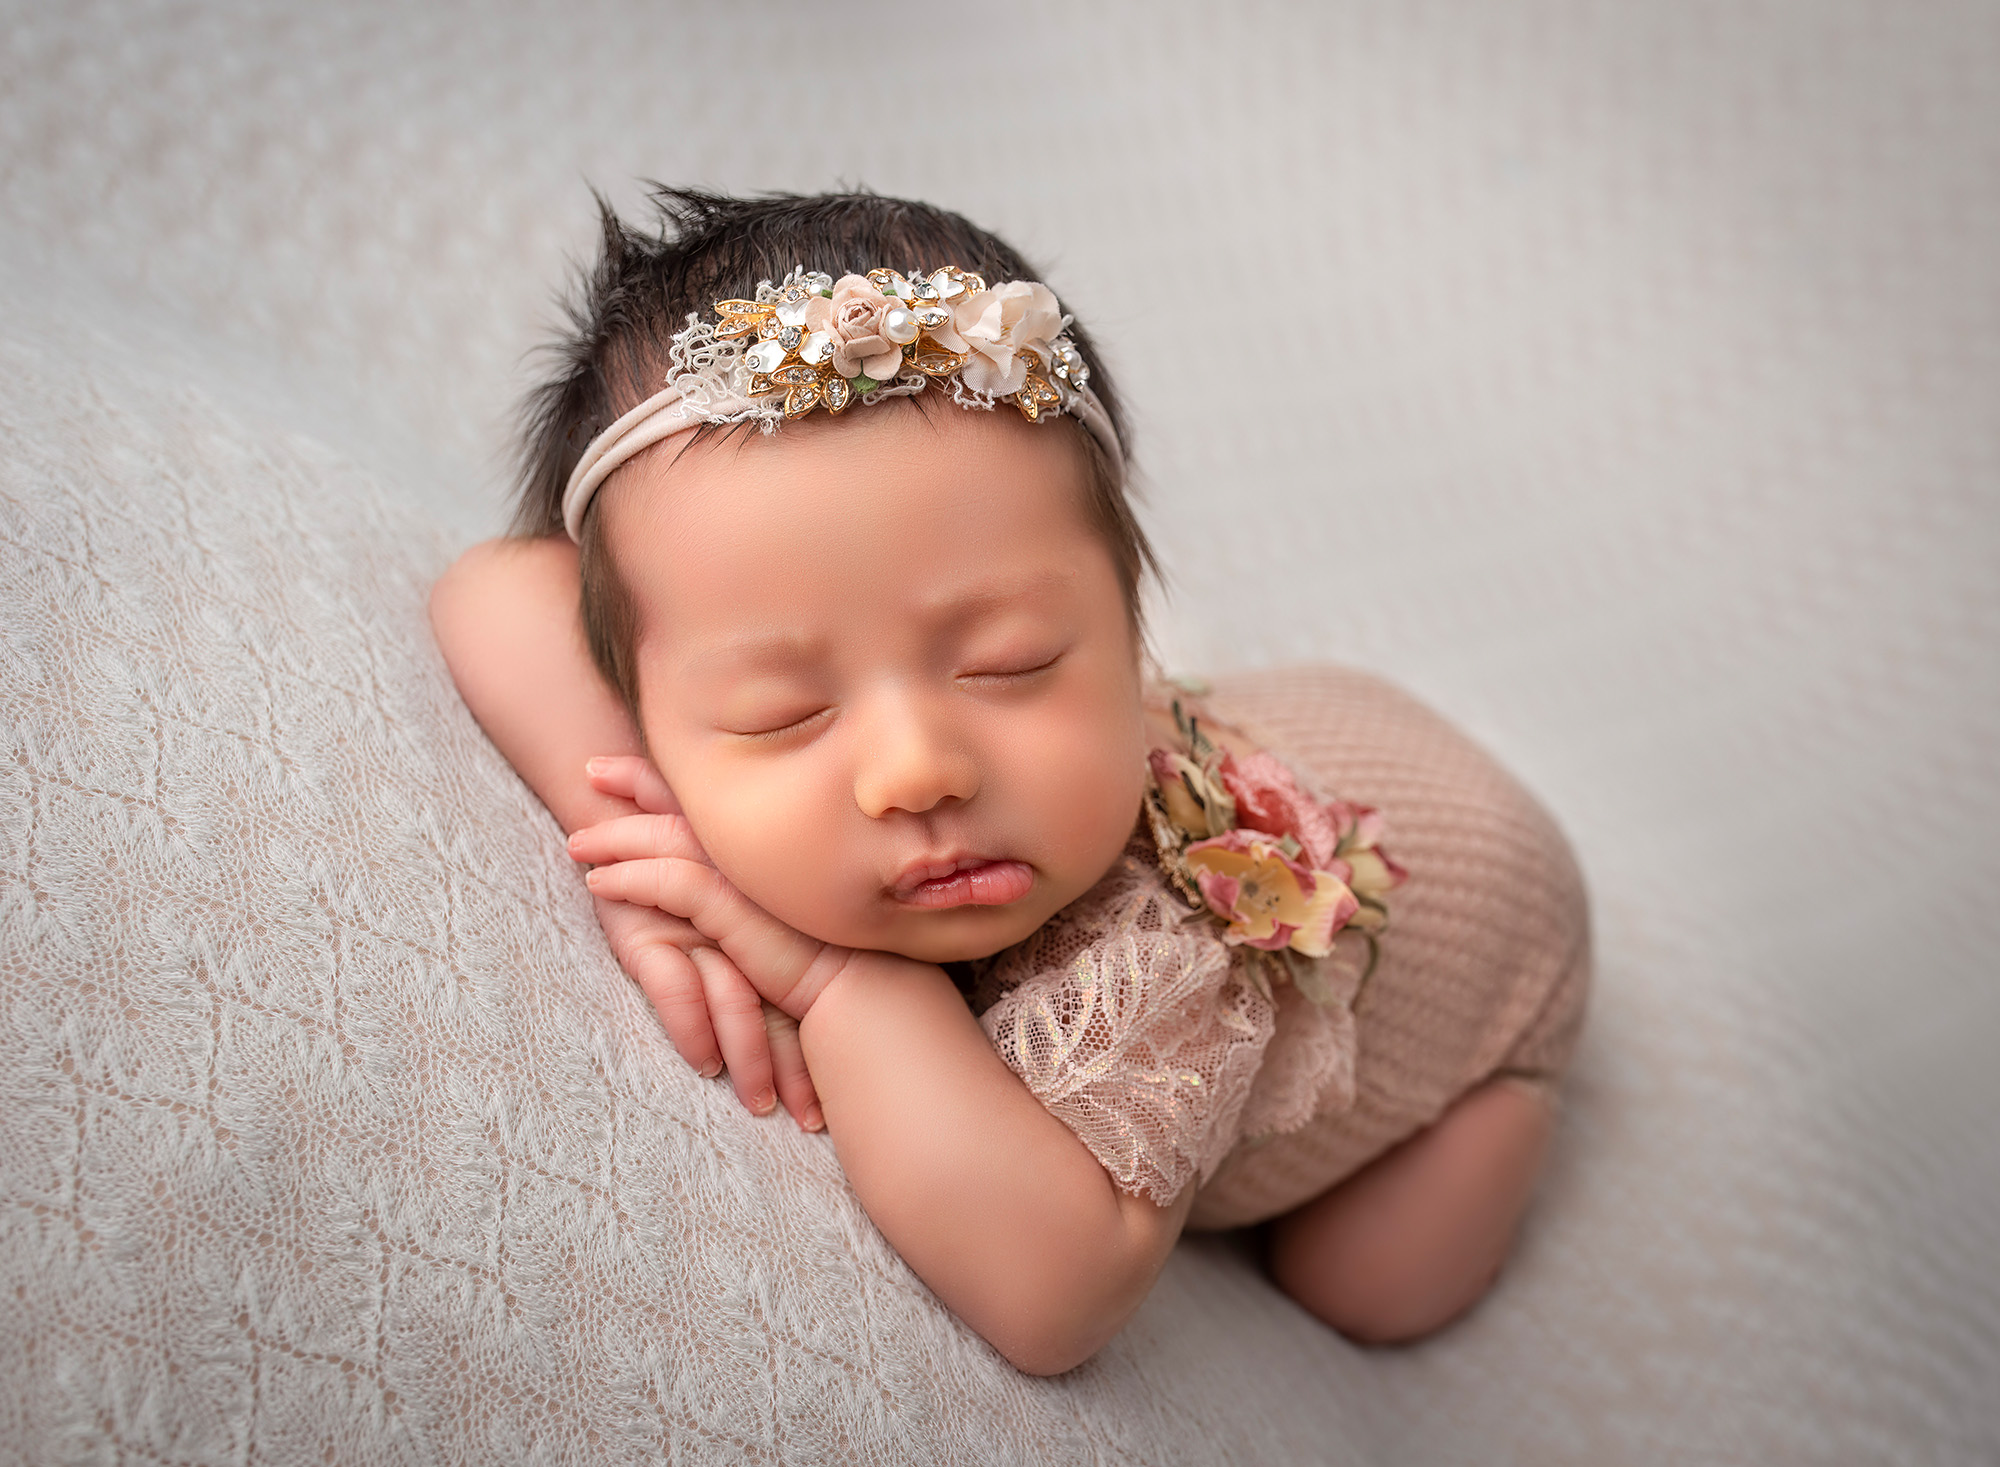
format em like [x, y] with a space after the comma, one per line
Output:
[1486, 962]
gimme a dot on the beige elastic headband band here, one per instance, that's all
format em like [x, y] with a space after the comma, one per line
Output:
[669, 411]
[660, 416]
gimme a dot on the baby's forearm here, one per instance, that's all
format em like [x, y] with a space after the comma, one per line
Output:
[506, 618]
[995, 1203]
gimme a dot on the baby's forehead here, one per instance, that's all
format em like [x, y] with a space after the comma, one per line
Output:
[890, 476]
[741, 598]
[955, 524]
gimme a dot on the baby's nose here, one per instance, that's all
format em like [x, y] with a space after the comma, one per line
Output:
[911, 760]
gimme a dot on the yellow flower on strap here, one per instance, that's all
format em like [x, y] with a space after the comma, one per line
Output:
[1269, 900]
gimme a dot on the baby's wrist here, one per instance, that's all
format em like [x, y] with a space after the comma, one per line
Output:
[828, 967]
[848, 974]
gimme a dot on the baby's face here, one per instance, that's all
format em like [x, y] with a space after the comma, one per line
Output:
[885, 664]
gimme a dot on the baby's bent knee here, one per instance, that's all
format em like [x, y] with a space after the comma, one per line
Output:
[1386, 1306]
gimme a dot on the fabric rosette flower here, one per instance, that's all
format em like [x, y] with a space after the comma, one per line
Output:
[1195, 800]
[1339, 837]
[1359, 860]
[1269, 799]
[1002, 329]
[1269, 899]
[860, 348]
[1284, 871]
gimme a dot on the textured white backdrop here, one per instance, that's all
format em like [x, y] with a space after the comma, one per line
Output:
[1631, 398]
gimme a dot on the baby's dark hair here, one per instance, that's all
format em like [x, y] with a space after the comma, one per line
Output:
[706, 247]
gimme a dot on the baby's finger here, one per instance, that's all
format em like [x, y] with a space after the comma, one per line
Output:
[788, 1070]
[673, 986]
[635, 837]
[738, 1016]
[632, 778]
[631, 928]
[772, 955]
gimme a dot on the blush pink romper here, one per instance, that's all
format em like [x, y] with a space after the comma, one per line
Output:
[1138, 1027]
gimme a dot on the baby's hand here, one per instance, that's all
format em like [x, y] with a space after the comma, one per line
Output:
[655, 861]
[709, 1012]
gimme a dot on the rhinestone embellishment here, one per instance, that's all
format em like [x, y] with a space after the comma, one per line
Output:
[794, 366]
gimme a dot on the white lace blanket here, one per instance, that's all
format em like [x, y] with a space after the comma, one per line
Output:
[329, 1121]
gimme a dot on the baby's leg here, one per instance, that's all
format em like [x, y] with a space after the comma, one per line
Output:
[1413, 1240]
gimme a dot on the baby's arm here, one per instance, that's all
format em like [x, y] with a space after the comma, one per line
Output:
[992, 1200]
[506, 618]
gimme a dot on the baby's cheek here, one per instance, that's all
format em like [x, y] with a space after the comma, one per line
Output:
[1087, 804]
[803, 889]
[1103, 813]
[1104, 772]
[777, 849]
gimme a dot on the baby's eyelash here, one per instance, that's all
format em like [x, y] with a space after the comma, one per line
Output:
[786, 729]
[1013, 672]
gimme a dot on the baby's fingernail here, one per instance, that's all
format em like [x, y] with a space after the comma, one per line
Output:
[594, 875]
[576, 840]
[814, 1121]
[710, 1070]
[763, 1103]
[593, 766]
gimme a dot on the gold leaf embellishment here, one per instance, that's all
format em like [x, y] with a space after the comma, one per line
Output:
[792, 346]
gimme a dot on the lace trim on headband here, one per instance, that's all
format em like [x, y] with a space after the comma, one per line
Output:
[712, 376]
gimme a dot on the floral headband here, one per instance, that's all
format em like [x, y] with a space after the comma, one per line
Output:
[813, 342]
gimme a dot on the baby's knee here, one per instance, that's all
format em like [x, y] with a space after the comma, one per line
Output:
[1417, 1238]
[1385, 1305]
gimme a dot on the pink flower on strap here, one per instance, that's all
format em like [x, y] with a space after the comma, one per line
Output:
[1283, 870]
[1270, 800]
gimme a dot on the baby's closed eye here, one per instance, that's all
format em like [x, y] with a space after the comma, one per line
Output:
[777, 724]
[1012, 667]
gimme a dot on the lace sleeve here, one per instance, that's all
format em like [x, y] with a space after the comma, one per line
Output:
[1132, 1025]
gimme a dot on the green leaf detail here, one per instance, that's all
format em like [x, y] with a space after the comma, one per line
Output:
[1309, 977]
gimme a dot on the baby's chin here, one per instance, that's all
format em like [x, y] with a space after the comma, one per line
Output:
[951, 935]
[945, 947]
[956, 936]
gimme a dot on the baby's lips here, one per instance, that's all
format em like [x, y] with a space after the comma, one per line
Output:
[969, 882]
